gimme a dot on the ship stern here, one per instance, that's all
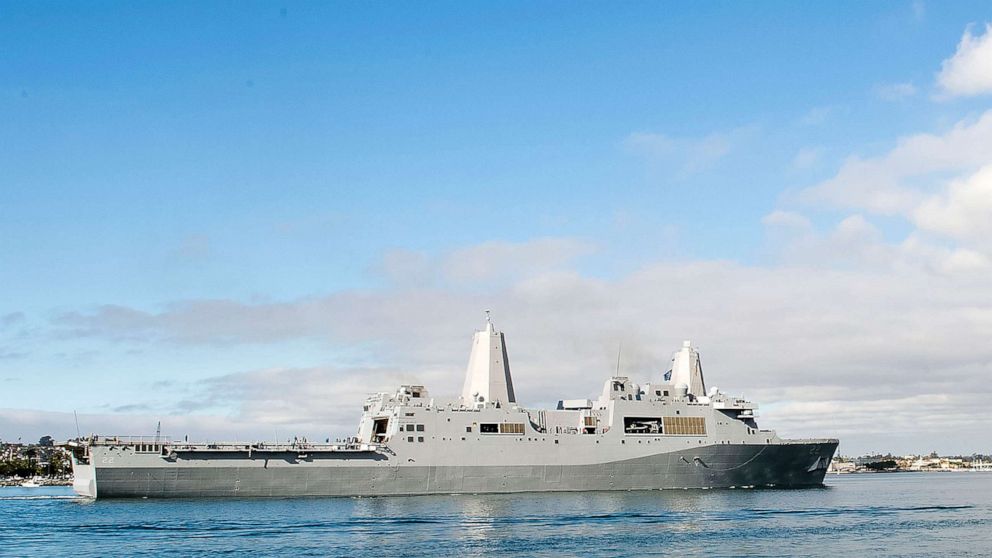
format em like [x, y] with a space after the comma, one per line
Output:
[83, 471]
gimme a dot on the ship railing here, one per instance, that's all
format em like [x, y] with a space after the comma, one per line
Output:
[129, 440]
[261, 447]
[269, 447]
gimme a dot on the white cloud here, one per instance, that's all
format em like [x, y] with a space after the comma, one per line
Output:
[807, 158]
[686, 156]
[963, 211]
[894, 91]
[787, 219]
[940, 184]
[897, 182]
[969, 71]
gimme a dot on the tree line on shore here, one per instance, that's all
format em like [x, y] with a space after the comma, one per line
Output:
[43, 459]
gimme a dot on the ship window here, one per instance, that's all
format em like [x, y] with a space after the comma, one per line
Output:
[468, 429]
[420, 438]
[409, 414]
[409, 428]
[409, 438]
[489, 428]
[666, 393]
[420, 428]
[657, 392]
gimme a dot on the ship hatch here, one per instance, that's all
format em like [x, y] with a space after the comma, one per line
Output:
[643, 425]
[379, 426]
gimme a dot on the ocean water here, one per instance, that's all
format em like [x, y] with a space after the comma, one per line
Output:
[905, 514]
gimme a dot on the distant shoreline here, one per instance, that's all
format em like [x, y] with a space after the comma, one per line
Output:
[42, 481]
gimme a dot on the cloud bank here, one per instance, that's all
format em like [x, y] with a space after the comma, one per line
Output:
[969, 71]
[846, 335]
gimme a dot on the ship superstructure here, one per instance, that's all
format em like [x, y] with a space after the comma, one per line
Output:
[669, 434]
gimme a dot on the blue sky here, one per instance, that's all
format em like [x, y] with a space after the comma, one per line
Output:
[154, 158]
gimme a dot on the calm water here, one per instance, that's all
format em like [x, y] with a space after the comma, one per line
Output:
[892, 515]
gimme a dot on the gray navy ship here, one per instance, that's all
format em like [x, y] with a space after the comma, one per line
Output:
[664, 435]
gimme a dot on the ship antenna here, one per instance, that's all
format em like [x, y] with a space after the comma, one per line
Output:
[76, 417]
[489, 318]
[158, 431]
[619, 351]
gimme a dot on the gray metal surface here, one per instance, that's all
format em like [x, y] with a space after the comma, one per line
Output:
[718, 466]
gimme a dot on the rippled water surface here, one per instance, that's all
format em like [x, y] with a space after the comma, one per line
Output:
[905, 514]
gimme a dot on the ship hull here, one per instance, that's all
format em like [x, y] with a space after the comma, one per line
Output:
[791, 464]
